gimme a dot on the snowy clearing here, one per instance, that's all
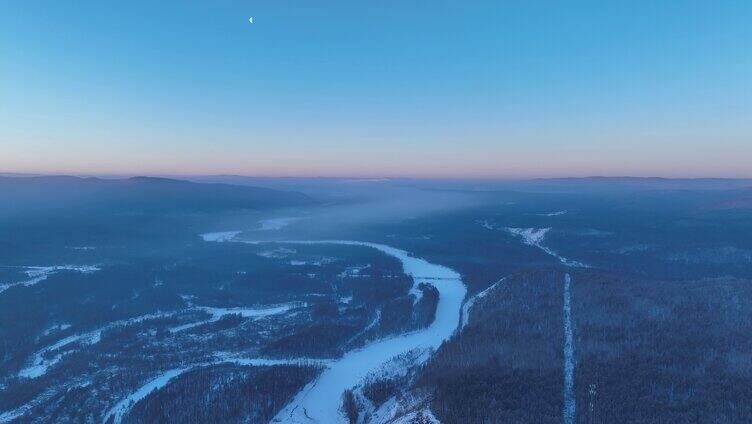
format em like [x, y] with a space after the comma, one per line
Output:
[55, 328]
[534, 237]
[557, 213]
[530, 236]
[426, 415]
[354, 271]
[279, 253]
[274, 224]
[316, 262]
[220, 236]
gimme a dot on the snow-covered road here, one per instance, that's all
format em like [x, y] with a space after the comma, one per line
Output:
[320, 400]
[569, 401]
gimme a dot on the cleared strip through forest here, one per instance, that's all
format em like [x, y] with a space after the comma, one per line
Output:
[569, 401]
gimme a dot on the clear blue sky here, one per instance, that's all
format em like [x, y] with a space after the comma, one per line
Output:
[486, 88]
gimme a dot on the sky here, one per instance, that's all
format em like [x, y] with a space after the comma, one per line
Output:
[476, 89]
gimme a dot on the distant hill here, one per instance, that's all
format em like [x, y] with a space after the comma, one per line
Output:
[649, 182]
[138, 194]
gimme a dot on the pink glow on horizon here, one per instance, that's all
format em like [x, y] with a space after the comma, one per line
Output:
[493, 162]
[417, 173]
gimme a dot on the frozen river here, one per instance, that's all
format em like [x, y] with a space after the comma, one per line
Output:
[320, 400]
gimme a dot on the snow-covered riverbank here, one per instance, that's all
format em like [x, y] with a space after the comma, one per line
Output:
[320, 400]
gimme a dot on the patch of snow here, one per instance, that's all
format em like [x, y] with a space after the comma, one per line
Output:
[415, 416]
[41, 361]
[403, 410]
[55, 328]
[40, 366]
[249, 312]
[279, 253]
[557, 213]
[267, 362]
[364, 405]
[319, 262]
[386, 412]
[11, 415]
[354, 271]
[398, 366]
[530, 236]
[274, 224]
[220, 236]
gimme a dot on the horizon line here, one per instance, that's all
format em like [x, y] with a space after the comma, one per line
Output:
[125, 175]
